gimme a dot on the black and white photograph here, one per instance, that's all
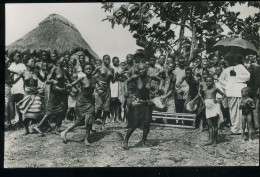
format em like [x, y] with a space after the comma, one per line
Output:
[132, 84]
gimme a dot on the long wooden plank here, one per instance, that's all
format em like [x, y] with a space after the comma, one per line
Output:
[172, 118]
[174, 114]
[171, 125]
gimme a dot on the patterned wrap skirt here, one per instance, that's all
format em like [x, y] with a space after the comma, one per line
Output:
[139, 114]
[85, 108]
[31, 106]
[103, 96]
[57, 102]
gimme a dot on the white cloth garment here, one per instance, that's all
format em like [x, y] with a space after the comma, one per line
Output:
[184, 89]
[18, 87]
[114, 86]
[213, 109]
[234, 84]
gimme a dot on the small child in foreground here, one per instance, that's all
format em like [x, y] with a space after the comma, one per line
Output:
[247, 105]
[214, 115]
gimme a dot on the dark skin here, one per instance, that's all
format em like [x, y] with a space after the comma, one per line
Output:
[58, 77]
[152, 62]
[17, 58]
[202, 86]
[147, 63]
[210, 93]
[98, 63]
[181, 63]
[30, 77]
[218, 71]
[131, 68]
[169, 71]
[197, 64]
[162, 59]
[67, 59]
[8, 81]
[115, 109]
[82, 60]
[247, 105]
[105, 74]
[142, 81]
[44, 56]
[86, 83]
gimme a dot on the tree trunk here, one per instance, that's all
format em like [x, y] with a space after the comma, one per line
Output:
[193, 42]
[181, 35]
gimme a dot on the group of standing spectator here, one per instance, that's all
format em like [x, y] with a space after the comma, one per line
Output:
[45, 86]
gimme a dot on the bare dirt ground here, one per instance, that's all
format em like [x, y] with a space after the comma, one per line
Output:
[167, 147]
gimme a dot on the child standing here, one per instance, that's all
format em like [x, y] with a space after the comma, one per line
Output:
[213, 112]
[247, 105]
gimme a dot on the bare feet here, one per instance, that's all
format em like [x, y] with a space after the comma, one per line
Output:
[103, 127]
[116, 121]
[92, 132]
[108, 120]
[208, 143]
[37, 130]
[99, 121]
[86, 142]
[143, 145]
[55, 132]
[125, 145]
[26, 133]
[63, 137]
[49, 130]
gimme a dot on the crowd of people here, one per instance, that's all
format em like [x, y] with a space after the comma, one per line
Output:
[47, 88]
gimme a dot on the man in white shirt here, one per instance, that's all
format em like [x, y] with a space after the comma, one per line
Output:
[233, 79]
[18, 87]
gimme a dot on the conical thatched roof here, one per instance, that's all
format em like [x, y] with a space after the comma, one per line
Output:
[53, 33]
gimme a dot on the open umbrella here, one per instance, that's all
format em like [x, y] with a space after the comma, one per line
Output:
[236, 44]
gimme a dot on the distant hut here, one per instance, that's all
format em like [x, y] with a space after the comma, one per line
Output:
[53, 33]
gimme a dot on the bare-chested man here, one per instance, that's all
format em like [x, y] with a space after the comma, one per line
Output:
[213, 111]
[85, 103]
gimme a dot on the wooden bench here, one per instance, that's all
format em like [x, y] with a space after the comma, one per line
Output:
[174, 116]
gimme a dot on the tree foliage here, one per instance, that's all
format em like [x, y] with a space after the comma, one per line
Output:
[153, 23]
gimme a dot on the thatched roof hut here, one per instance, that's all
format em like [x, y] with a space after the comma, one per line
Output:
[53, 33]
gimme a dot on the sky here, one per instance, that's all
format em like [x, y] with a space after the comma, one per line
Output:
[87, 17]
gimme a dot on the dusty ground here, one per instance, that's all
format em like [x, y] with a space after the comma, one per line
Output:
[167, 147]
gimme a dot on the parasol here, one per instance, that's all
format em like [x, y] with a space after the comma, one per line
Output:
[236, 43]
